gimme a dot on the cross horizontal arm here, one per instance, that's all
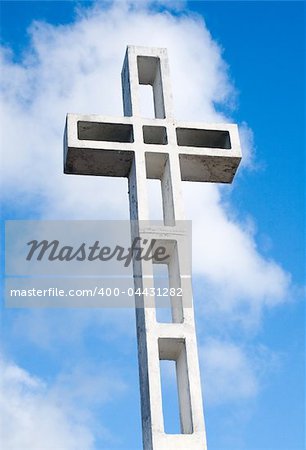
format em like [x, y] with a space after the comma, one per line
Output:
[99, 145]
[208, 152]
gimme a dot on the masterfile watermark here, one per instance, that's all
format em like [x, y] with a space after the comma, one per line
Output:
[95, 263]
[141, 249]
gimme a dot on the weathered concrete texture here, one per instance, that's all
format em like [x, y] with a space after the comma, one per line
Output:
[171, 151]
[209, 154]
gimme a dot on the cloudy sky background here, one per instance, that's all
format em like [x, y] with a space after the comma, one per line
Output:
[70, 377]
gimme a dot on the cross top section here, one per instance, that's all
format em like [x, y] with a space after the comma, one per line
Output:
[146, 66]
[99, 145]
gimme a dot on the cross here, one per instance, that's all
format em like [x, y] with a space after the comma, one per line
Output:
[159, 148]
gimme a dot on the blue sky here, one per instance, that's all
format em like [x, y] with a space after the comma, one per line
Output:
[80, 367]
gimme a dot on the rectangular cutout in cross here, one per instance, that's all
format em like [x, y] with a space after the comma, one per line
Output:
[162, 294]
[154, 135]
[174, 349]
[149, 72]
[158, 168]
[146, 101]
[169, 298]
[155, 202]
[193, 137]
[170, 402]
[103, 131]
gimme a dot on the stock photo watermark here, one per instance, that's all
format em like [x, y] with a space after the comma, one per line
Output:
[51, 264]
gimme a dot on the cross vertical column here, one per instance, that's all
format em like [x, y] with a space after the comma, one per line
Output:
[161, 148]
[157, 341]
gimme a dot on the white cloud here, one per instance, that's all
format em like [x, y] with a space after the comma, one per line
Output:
[37, 327]
[225, 254]
[36, 415]
[247, 143]
[232, 373]
[40, 422]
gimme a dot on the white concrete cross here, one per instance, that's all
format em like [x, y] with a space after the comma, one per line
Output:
[161, 148]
